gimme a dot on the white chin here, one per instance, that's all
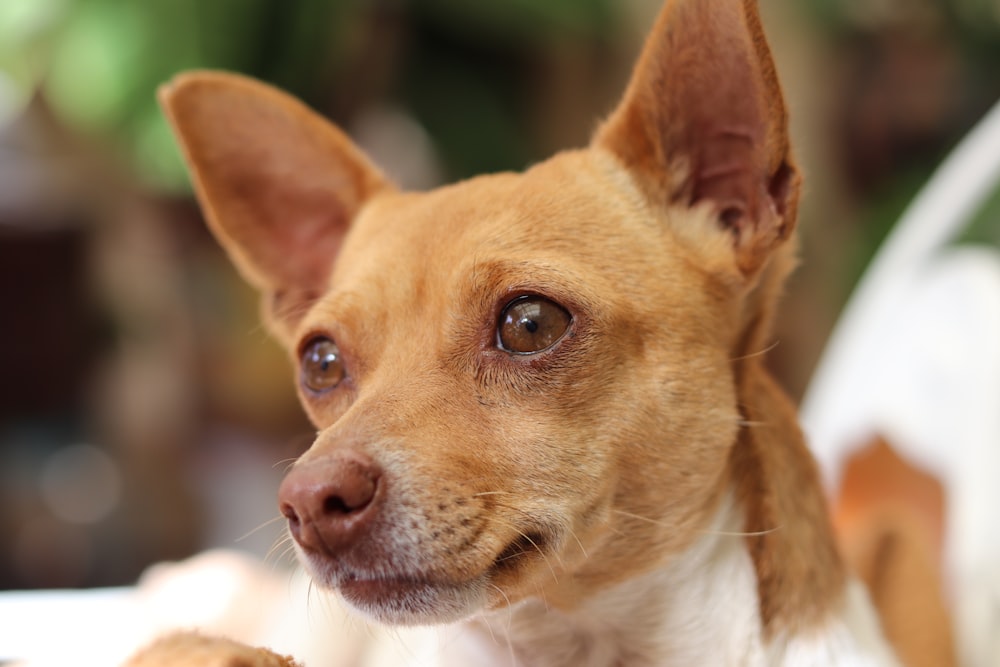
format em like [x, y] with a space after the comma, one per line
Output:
[414, 603]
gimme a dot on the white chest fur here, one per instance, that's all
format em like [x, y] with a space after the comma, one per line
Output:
[702, 609]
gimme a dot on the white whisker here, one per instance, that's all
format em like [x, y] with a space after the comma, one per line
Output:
[760, 353]
[259, 528]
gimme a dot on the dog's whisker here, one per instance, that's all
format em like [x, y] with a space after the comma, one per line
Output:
[270, 555]
[530, 517]
[287, 553]
[639, 517]
[296, 444]
[279, 541]
[314, 605]
[489, 626]
[288, 463]
[288, 550]
[583, 549]
[320, 604]
[534, 544]
[507, 625]
[283, 560]
[759, 353]
[254, 531]
[257, 330]
[544, 557]
[707, 531]
[310, 589]
[742, 533]
[504, 595]
[540, 594]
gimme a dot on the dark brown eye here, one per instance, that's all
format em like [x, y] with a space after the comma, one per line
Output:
[322, 367]
[531, 324]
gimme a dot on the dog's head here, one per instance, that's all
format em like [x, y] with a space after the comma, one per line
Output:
[524, 384]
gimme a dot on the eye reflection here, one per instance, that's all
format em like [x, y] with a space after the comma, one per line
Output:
[322, 365]
[531, 324]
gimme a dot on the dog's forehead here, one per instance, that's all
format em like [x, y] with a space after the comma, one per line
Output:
[572, 229]
[563, 213]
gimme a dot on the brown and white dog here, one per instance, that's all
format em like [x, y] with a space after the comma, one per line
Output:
[542, 405]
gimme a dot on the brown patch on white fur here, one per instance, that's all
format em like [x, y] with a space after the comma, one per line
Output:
[890, 520]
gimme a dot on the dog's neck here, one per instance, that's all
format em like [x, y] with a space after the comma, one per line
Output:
[702, 609]
[704, 600]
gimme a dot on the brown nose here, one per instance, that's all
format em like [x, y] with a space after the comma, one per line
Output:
[330, 501]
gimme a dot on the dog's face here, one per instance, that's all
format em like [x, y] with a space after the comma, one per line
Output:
[533, 361]
[524, 384]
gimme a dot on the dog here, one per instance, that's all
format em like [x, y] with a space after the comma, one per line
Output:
[542, 406]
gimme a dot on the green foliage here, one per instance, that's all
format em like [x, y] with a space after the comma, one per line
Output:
[523, 20]
[98, 62]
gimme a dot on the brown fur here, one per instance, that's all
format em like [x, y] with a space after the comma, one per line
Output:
[797, 562]
[194, 650]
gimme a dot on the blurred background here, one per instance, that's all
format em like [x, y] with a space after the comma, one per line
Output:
[143, 408]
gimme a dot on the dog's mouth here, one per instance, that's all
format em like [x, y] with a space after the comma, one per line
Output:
[527, 546]
[411, 600]
[406, 599]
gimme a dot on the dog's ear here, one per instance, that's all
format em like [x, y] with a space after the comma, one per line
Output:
[703, 119]
[278, 184]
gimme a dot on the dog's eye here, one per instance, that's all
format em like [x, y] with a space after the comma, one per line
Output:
[531, 324]
[322, 366]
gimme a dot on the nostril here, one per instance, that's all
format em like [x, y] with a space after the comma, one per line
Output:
[288, 511]
[351, 491]
[335, 505]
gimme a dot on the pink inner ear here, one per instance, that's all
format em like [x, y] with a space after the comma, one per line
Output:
[714, 102]
[705, 97]
[279, 184]
[726, 171]
[292, 234]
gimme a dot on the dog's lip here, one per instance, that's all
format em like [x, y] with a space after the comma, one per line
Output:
[376, 583]
[407, 600]
[527, 544]
[406, 597]
[374, 588]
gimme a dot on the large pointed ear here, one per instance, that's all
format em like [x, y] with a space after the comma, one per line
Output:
[703, 119]
[278, 184]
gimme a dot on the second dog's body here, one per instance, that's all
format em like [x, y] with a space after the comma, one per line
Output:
[541, 403]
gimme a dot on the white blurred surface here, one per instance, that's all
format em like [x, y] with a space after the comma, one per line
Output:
[915, 358]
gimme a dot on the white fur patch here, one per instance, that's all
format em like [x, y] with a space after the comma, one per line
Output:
[701, 610]
[852, 639]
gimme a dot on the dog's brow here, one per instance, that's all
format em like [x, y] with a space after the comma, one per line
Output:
[505, 275]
